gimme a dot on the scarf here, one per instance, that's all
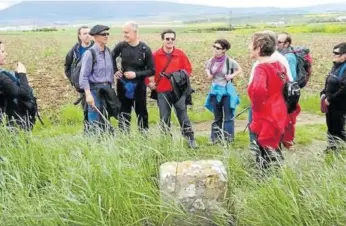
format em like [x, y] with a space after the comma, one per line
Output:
[221, 61]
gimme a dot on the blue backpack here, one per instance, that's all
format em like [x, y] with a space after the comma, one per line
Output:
[28, 108]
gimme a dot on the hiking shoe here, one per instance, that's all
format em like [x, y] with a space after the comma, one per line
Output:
[192, 143]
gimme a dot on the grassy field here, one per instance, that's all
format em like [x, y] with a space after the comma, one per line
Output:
[55, 176]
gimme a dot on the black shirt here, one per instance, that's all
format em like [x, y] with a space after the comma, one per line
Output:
[134, 58]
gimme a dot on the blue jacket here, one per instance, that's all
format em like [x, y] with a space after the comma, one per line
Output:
[220, 91]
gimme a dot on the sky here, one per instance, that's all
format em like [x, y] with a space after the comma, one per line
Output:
[228, 3]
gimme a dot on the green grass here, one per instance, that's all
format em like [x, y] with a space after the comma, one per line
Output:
[58, 177]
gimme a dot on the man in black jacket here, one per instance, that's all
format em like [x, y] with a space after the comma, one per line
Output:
[333, 96]
[10, 91]
[133, 62]
[73, 56]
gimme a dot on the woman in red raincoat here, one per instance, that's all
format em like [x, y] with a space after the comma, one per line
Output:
[269, 111]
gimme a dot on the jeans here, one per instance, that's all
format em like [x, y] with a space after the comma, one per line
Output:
[222, 115]
[95, 120]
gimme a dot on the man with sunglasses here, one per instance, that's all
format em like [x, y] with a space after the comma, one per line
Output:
[333, 98]
[169, 59]
[133, 63]
[96, 72]
[284, 42]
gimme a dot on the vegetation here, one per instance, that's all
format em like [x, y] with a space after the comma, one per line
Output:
[57, 176]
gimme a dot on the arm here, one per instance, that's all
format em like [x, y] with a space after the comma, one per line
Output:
[259, 92]
[12, 90]
[341, 91]
[115, 53]
[85, 71]
[207, 70]
[68, 63]
[149, 63]
[237, 69]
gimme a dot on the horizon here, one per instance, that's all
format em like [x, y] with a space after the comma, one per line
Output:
[220, 3]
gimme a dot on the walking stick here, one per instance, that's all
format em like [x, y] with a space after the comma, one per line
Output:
[245, 109]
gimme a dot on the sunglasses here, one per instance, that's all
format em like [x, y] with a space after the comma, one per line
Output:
[167, 39]
[216, 47]
[104, 34]
[336, 53]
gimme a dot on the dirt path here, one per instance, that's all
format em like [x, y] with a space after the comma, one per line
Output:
[303, 119]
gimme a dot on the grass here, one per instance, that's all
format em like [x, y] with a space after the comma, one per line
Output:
[71, 180]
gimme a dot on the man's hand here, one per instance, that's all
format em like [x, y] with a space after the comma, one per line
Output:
[119, 74]
[130, 75]
[90, 99]
[20, 68]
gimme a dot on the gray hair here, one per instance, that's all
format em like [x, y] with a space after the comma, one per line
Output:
[133, 24]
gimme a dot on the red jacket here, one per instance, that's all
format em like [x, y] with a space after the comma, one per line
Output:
[269, 111]
[179, 62]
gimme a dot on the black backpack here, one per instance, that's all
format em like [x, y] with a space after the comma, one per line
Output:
[27, 109]
[291, 92]
[76, 67]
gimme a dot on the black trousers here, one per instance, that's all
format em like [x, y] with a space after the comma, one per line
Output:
[140, 106]
[336, 127]
[165, 102]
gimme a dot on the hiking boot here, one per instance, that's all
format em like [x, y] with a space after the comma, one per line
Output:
[192, 143]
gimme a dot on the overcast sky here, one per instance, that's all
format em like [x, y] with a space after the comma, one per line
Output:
[228, 3]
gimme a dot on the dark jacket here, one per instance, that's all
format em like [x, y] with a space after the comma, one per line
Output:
[335, 87]
[110, 101]
[72, 56]
[181, 85]
[9, 90]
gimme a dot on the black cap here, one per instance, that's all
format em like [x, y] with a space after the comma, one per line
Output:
[98, 29]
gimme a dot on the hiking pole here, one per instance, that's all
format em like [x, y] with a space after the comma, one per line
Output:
[245, 109]
[103, 117]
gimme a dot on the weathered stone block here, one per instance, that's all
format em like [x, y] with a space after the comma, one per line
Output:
[199, 186]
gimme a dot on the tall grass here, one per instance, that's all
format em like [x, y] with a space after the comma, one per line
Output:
[57, 176]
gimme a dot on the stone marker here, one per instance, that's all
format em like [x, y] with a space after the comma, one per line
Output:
[199, 186]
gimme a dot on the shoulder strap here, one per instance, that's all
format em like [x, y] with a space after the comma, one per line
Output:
[342, 70]
[170, 57]
[227, 65]
[93, 54]
[10, 75]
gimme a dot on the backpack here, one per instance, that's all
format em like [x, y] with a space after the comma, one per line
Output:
[76, 67]
[304, 65]
[291, 92]
[26, 109]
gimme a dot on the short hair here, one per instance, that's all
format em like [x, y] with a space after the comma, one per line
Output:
[223, 43]
[78, 32]
[288, 37]
[133, 24]
[265, 41]
[167, 31]
[271, 33]
[340, 46]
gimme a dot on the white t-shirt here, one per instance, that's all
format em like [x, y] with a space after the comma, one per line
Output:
[276, 56]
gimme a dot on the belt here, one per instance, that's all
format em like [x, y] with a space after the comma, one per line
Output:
[100, 83]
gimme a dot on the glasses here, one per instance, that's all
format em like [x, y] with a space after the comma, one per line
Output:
[104, 34]
[216, 47]
[336, 53]
[280, 42]
[168, 39]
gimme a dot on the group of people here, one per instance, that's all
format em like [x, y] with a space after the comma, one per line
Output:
[112, 82]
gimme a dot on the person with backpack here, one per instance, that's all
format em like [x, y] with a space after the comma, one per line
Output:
[17, 102]
[299, 59]
[97, 73]
[133, 62]
[222, 99]
[72, 67]
[269, 109]
[333, 98]
[168, 61]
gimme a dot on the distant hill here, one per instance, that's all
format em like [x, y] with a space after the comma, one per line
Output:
[54, 12]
